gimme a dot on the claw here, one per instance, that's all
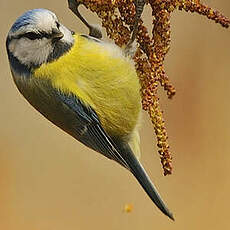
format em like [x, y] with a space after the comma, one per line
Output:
[139, 5]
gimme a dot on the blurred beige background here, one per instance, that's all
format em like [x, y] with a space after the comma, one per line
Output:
[49, 181]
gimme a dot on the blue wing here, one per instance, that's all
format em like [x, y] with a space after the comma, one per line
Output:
[89, 130]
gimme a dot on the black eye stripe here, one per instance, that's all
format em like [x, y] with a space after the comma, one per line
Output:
[34, 36]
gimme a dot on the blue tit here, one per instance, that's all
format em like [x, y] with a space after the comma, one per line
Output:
[83, 85]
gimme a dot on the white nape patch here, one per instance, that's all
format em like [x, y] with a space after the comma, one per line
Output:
[31, 52]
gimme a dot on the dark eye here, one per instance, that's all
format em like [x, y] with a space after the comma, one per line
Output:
[58, 25]
[32, 35]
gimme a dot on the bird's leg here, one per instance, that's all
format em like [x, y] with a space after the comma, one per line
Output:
[139, 5]
[93, 30]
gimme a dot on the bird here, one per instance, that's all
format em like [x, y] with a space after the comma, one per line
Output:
[87, 87]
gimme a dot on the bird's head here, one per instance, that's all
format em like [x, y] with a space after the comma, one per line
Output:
[38, 37]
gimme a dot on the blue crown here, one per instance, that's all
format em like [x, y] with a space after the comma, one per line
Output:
[27, 18]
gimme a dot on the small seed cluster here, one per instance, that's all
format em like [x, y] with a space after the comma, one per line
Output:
[117, 18]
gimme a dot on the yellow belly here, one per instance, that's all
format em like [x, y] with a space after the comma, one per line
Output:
[101, 77]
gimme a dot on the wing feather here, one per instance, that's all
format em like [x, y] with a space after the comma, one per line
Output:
[92, 133]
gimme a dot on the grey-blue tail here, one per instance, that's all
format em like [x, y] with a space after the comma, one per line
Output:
[142, 177]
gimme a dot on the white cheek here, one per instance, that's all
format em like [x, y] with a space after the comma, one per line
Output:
[31, 51]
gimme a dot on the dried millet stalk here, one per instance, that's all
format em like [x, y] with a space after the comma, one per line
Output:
[118, 17]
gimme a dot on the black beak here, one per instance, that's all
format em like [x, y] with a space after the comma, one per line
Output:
[57, 35]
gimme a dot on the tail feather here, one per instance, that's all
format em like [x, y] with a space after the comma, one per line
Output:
[138, 171]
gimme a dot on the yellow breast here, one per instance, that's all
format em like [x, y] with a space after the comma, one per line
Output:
[103, 78]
